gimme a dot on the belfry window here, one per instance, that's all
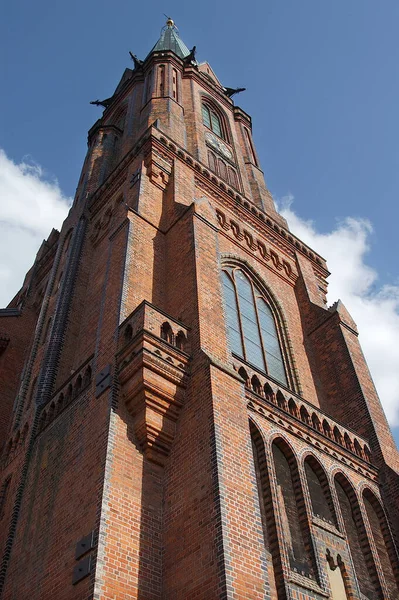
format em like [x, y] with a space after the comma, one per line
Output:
[251, 325]
[212, 120]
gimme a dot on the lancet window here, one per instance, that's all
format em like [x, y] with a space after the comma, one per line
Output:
[212, 120]
[251, 325]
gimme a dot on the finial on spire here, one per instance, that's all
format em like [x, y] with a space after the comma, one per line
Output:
[170, 22]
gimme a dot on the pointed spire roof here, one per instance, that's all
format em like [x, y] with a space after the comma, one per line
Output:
[170, 40]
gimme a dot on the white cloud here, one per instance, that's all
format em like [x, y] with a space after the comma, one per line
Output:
[374, 308]
[30, 206]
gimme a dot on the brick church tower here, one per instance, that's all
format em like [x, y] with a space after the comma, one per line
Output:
[183, 416]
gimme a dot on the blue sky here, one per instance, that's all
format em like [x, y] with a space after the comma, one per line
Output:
[322, 88]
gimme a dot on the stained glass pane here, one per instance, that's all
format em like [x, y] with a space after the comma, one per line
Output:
[271, 344]
[206, 118]
[233, 327]
[253, 347]
[216, 128]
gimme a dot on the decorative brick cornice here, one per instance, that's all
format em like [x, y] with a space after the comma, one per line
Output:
[284, 410]
[256, 246]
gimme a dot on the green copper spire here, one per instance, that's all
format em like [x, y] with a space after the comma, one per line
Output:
[170, 40]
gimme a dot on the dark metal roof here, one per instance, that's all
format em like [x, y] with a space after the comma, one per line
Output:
[170, 40]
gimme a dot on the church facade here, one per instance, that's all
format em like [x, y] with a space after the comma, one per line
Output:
[182, 415]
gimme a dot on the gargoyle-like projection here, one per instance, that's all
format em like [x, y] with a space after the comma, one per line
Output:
[190, 58]
[138, 63]
[105, 103]
[231, 91]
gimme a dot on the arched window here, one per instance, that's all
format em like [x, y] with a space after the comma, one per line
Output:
[161, 72]
[211, 119]
[181, 340]
[251, 325]
[175, 85]
[167, 333]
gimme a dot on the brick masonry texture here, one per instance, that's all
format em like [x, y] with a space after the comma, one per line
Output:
[141, 458]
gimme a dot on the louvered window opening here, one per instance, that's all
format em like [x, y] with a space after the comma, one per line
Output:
[251, 325]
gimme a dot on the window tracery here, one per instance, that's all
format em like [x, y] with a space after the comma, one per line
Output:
[251, 325]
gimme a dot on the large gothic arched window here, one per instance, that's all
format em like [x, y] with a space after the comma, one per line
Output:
[251, 325]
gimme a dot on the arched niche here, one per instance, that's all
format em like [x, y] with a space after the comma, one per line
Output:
[383, 542]
[267, 512]
[356, 536]
[319, 491]
[291, 504]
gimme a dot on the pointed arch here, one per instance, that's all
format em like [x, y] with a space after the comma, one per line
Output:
[348, 442]
[338, 436]
[266, 509]
[292, 508]
[358, 448]
[319, 490]
[304, 415]
[268, 392]
[383, 542]
[256, 324]
[281, 401]
[356, 536]
[316, 422]
[128, 333]
[167, 333]
[327, 428]
[181, 340]
[256, 385]
[244, 375]
[214, 118]
[292, 408]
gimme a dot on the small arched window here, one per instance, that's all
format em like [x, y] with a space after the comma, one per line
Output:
[167, 333]
[251, 325]
[212, 120]
[161, 72]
